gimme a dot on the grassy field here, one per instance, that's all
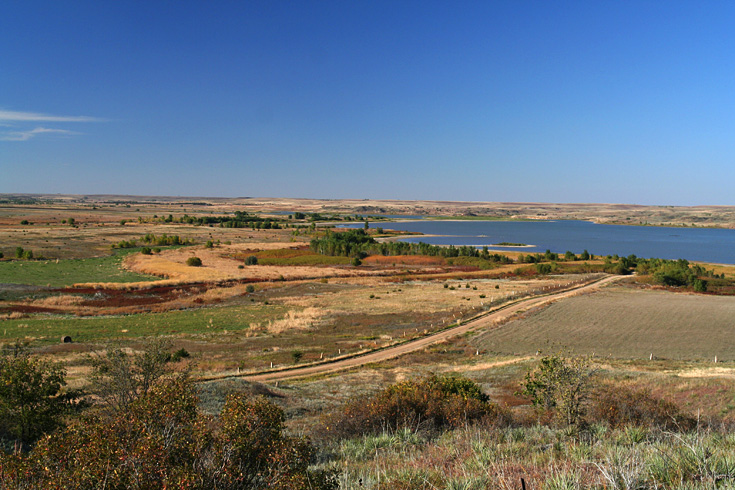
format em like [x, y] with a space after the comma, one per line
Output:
[624, 323]
[204, 322]
[69, 271]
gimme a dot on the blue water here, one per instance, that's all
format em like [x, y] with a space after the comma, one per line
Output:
[702, 244]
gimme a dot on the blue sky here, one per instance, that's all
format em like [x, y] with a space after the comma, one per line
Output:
[626, 102]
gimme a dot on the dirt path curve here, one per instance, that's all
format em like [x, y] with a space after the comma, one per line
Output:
[498, 315]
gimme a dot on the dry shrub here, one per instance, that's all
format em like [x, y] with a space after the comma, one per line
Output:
[15, 315]
[432, 404]
[619, 406]
[62, 300]
[297, 320]
[220, 294]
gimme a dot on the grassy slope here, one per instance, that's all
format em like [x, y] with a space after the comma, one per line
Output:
[67, 272]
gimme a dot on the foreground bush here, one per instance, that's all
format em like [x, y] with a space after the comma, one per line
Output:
[434, 403]
[162, 441]
[31, 398]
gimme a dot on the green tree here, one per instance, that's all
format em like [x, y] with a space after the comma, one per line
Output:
[585, 255]
[19, 252]
[251, 260]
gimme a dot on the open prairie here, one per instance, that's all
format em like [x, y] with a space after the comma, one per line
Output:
[107, 273]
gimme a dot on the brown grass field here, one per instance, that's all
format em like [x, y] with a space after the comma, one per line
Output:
[624, 322]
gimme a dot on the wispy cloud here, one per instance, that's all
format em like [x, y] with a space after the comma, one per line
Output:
[20, 125]
[38, 117]
[26, 135]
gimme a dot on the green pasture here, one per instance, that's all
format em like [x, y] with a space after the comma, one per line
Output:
[70, 271]
[205, 321]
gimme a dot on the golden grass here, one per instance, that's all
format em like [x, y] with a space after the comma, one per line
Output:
[298, 320]
[728, 270]
[218, 265]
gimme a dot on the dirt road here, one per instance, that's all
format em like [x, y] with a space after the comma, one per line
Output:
[489, 319]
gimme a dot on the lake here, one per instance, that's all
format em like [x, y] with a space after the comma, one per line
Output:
[702, 244]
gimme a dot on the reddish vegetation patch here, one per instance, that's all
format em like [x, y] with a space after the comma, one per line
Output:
[101, 298]
[28, 309]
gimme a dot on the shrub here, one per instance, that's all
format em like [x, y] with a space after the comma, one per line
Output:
[560, 385]
[194, 262]
[146, 251]
[250, 288]
[620, 406]
[24, 222]
[180, 354]
[209, 244]
[356, 262]
[251, 260]
[434, 403]
[156, 250]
